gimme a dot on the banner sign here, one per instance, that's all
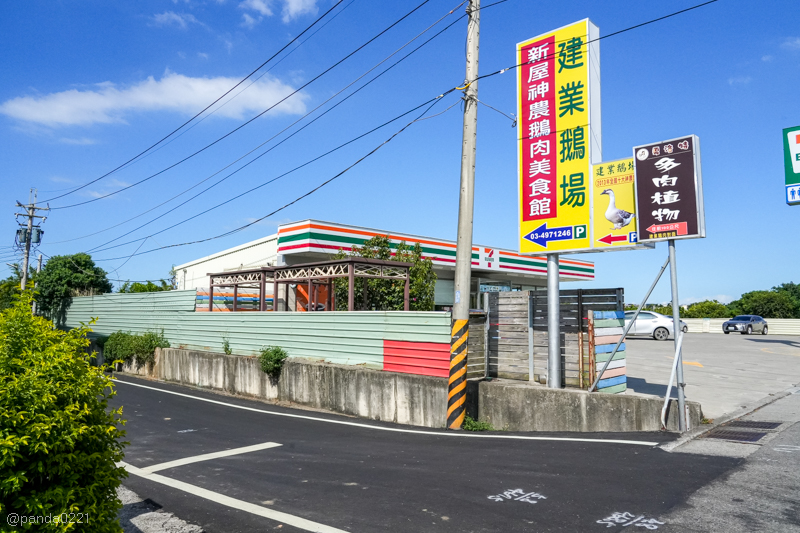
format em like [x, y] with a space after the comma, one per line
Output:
[791, 160]
[669, 190]
[614, 205]
[559, 137]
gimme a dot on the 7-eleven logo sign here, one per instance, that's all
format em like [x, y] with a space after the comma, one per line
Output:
[489, 257]
[794, 149]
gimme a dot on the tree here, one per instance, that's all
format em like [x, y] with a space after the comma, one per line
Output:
[387, 294]
[10, 287]
[60, 441]
[148, 286]
[64, 277]
[768, 304]
[792, 290]
[707, 309]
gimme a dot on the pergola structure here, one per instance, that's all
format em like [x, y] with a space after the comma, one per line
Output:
[315, 275]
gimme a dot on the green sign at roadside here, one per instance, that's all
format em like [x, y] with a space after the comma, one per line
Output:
[791, 161]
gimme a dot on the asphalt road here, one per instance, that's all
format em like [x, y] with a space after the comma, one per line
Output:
[724, 373]
[335, 473]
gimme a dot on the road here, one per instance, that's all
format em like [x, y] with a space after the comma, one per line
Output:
[310, 471]
[725, 373]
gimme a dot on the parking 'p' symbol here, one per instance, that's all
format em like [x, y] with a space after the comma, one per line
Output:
[579, 232]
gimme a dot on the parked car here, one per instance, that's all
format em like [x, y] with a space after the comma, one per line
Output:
[652, 324]
[745, 324]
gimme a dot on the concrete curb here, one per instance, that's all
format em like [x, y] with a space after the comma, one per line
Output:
[705, 428]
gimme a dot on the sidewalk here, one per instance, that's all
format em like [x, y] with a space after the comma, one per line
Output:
[763, 494]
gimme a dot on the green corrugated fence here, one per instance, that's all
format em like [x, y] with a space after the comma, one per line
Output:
[354, 338]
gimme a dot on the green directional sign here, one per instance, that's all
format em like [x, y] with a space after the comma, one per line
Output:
[791, 161]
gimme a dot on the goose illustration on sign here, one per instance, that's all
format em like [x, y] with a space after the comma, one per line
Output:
[614, 205]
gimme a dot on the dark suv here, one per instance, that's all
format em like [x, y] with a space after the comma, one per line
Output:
[745, 324]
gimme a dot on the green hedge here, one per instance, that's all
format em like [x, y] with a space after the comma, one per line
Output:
[133, 347]
[59, 440]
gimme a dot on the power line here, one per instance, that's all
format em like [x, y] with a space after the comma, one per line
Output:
[282, 131]
[432, 102]
[251, 119]
[100, 249]
[202, 111]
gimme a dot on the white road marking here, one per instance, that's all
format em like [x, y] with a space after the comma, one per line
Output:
[295, 521]
[395, 430]
[209, 456]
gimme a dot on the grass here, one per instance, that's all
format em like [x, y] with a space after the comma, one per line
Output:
[470, 424]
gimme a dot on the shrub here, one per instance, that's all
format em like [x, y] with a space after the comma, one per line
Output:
[470, 424]
[59, 440]
[134, 348]
[226, 346]
[272, 359]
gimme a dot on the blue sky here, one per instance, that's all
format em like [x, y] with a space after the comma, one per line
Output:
[89, 84]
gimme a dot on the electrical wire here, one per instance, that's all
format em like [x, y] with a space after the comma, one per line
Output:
[432, 103]
[282, 131]
[202, 111]
[395, 23]
[100, 249]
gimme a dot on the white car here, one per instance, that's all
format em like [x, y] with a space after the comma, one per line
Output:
[652, 324]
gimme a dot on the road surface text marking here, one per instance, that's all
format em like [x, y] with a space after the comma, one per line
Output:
[629, 519]
[209, 456]
[394, 430]
[786, 448]
[517, 495]
[233, 503]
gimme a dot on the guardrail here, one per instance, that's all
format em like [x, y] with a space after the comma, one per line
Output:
[777, 326]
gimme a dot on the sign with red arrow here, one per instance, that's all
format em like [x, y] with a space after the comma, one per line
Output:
[610, 239]
[680, 228]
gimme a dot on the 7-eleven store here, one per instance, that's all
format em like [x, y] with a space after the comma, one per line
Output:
[493, 269]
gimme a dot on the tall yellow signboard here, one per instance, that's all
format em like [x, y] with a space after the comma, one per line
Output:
[559, 138]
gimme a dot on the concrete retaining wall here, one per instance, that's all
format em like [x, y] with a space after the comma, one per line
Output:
[373, 394]
[777, 326]
[411, 399]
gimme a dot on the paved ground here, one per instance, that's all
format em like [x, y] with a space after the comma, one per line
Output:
[761, 495]
[723, 372]
[317, 472]
[139, 515]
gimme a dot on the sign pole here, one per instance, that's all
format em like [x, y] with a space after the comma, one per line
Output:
[553, 328]
[457, 386]
[676, 330]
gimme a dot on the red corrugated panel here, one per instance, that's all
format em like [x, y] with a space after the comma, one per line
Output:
[423, 358]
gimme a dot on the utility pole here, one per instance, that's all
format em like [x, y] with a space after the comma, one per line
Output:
[457, 386]
[30, 213]
[38, 269]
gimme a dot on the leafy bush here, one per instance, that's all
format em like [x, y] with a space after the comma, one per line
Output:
[133, 347]
[59, 440]
[470, 424]
[272, 359]
[226, 346]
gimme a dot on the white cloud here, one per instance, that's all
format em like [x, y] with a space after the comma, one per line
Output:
[81, 141]
[295, 8]
[169, 18]
[202, 55]
[791, 43]
[291, 10]
[259, 6]
[249, 22]
[173, 92]
[739, 80]
[767, 58]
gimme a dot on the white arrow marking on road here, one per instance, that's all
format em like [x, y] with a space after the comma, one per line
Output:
[209, 456]
[216, 497]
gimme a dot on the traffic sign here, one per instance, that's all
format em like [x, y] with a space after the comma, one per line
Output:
[791, 160]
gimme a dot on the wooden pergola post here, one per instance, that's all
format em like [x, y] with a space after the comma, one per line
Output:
[351, 286]
[262, 292]
[210, 298]
[235, 297]
[310, 289]
[405, 291]
[274, 294]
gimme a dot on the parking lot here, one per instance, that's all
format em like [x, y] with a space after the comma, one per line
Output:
[723, 372]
